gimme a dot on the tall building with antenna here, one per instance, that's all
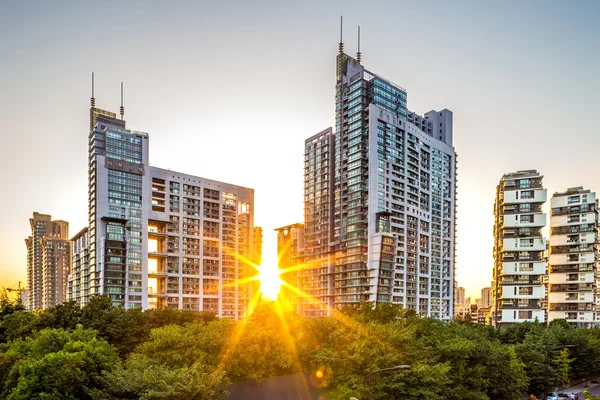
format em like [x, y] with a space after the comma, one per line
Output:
[386, 191]
[158, 238]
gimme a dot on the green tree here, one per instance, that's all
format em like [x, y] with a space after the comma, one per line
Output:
[176, 362]
[57, 364]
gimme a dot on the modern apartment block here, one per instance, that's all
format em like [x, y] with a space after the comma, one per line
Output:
[462, 304]
[519, 265]
[486, 299]
[48, 261]
[573, 257]
[380, 196]
[317, 278]
[159, 238]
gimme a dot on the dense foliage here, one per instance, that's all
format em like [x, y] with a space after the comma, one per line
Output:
[103, 352]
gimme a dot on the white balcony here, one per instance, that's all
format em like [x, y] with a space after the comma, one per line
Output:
[510, 196]
[582, 316]
[567, 277]
[519, 244]
[522, 292]
[524, 268]
[519, 221]
[512, 316]
[573, 219]
[572, 258]
[562, 297]
[566, 201]
[572, 238]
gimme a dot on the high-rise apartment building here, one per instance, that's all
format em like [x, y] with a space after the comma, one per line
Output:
[48, 261]
[519, 265]
[379, 201]
[159, 238]
[317, 278]
[486, 299]
[573, 257]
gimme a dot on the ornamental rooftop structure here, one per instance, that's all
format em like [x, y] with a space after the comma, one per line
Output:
[573, 257]
[519, 265]
[380, 201]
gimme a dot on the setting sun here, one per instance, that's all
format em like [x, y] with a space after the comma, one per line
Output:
[270, 282]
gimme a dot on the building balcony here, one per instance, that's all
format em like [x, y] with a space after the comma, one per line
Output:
[156, 292]
[529, 282]
[572, 268]
[157, 272]
[584, 287]
[157, 253]
[570, 307]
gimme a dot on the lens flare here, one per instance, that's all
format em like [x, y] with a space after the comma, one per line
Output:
[270, 282]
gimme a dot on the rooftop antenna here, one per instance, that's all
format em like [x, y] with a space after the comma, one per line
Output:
[358, 53]
[93, 99]
[341, 27]
[122, 109]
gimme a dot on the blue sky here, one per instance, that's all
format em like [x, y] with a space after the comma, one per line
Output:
[229, 90]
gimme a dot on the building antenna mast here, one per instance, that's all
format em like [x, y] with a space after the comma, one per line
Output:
[93, 99]
[358, 53]
[122, 109]
[341, 28]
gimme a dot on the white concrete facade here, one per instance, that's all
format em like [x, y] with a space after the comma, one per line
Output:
[573, 257]
[158, 238]
[519, 265]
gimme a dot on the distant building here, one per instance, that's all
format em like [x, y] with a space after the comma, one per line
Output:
[573, 257]
[519, 265]
[474, 313]
[483, 315]
[48, 261]
[486, 297]
[258, 245]
[290, 253]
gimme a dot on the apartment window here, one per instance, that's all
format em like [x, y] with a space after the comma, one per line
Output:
[526, 242]
[526, 218]
[525, 314]
[525, 291]
[525, 267]
[525, 232]
[527, 194]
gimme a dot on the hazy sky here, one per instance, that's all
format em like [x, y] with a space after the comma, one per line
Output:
[229, 90]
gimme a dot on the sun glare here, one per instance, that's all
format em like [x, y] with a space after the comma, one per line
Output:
[270, 282]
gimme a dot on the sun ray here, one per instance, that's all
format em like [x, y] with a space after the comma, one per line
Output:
[296, 367]
[241, 281]
[347, 321]
[234, 338]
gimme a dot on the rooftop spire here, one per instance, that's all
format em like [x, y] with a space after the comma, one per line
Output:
[122, 109]
[93, 99]
[358, 53]
[341, 30]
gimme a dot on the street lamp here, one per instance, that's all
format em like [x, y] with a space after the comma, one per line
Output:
[368, 381]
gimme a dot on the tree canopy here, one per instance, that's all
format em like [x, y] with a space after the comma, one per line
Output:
[101, 352]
